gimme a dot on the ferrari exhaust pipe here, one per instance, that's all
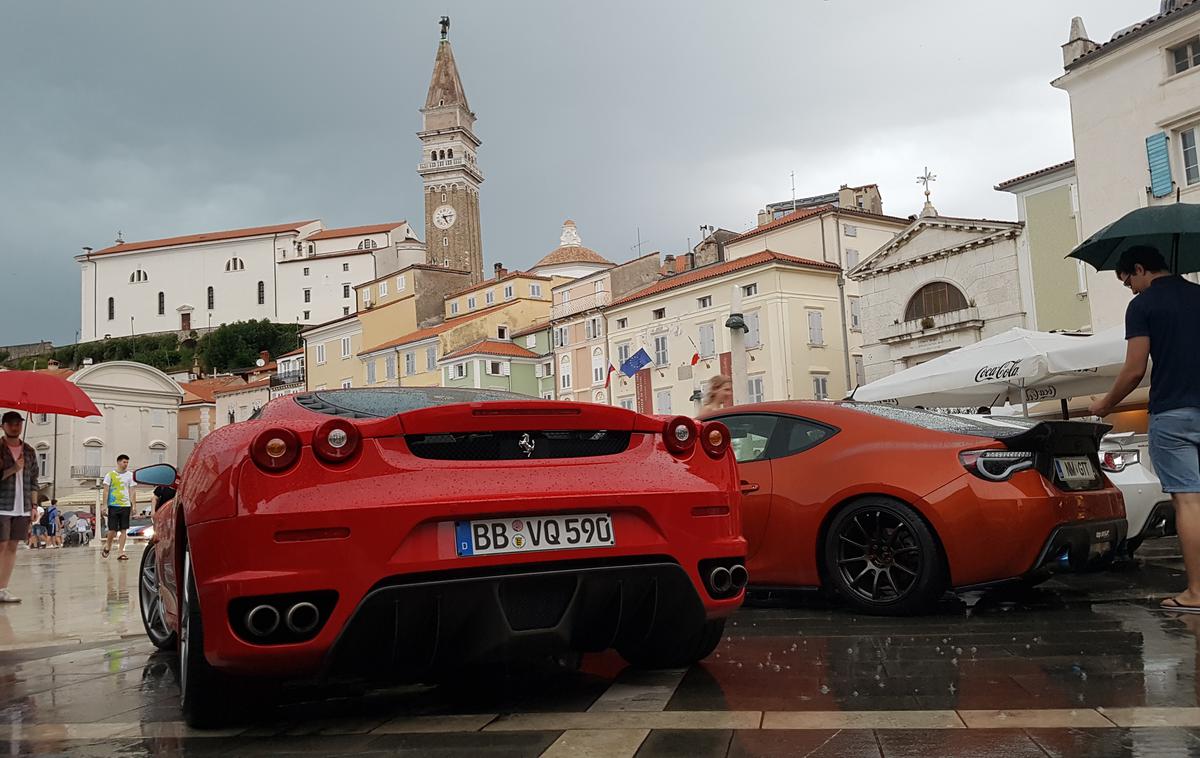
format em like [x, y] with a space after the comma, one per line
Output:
[302, 618]
[738, 576]
[720, 580]
[262, 620]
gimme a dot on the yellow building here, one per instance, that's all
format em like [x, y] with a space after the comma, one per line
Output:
[330, 353]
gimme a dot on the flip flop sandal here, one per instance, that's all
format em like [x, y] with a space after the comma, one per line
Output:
[1174, 606]
[124, 557]
[103, 553]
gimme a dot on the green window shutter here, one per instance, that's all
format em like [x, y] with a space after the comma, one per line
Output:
[1158, 157]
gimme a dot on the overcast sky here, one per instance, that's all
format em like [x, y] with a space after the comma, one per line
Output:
[162, 119]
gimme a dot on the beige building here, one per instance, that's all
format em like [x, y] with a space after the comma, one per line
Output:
[504, 287]
[790, 350]
[330, 354]
[1048, 206]
[838, 235]
[1135, 119]
[241, 401]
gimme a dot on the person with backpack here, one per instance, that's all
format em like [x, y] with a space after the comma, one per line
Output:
[50, 519]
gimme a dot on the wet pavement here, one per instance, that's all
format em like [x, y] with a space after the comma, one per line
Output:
[1081, 666]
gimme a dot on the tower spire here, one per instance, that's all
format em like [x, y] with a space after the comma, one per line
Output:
[445, 86]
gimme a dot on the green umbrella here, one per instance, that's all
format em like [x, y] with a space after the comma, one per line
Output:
[1173, 229]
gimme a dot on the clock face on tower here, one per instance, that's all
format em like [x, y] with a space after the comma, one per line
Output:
[444, 216]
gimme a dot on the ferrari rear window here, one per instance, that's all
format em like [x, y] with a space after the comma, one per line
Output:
[388, 401]
[977, 426]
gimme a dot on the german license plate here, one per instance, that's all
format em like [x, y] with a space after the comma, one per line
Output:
[533, 534]
[1074, 469]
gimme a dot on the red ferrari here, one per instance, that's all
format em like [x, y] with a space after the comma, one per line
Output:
[891, 507]
[397, 534]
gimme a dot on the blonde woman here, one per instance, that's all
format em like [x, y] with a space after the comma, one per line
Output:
[719, 395]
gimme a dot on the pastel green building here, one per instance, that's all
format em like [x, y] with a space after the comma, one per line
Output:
[523, 364]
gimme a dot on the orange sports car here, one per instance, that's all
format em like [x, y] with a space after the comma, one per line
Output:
[891, 507]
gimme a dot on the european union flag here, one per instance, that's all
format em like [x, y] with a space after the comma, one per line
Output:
[636, 362]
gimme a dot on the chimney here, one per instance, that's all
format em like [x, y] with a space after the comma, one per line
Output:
[669, 265]
[764, 218]
[1078, 44]
[265, 355]
[501, 272]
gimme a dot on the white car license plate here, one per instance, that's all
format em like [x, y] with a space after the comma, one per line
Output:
[532, 534]
[1075, 469]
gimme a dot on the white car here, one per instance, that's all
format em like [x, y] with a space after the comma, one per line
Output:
[1125, 458]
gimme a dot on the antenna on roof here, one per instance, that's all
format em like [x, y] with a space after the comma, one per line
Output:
[638, 246]
[119, 240]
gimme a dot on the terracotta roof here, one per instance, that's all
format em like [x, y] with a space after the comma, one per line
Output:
[1034, 174]
[712, 272]
[204, 390]
[432, 331]
[805, 213]
[232, 234]
[493, 347]
[1130, 33]
[572, 254]
[297, 351]
[249, 386]
[532, 328]
[353, 231]
[493, 282]
[61, 373]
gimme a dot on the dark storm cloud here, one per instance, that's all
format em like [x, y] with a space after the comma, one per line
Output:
[160, 119]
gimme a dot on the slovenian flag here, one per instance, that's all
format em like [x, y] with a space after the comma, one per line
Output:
[608, 379]
[636, 362]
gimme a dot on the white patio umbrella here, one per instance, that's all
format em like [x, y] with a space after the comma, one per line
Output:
[1019, 366]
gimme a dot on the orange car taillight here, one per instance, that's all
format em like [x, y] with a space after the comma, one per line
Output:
[995, 465]
[714, 437]
[336, 441]
[679, 434]
[275, 449]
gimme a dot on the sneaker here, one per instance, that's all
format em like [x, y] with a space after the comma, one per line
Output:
[8, 597]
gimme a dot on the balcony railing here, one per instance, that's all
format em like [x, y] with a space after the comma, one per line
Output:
[579, 305]
[967, 318]
[87, 472]
[447, 163]
[291, 377]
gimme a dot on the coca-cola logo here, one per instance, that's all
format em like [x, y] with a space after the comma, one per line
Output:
[1041, 393]
[1006, 370]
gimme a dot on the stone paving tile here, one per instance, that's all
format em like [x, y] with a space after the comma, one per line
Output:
[1118, 743]
[951, 743]
[478, 745]
[804, 744]
[678, 743]
[863, 720]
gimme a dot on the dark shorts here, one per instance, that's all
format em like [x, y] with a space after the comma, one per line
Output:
[118, 519]
[14, 528]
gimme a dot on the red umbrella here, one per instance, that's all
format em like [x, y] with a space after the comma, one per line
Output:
[36, 392]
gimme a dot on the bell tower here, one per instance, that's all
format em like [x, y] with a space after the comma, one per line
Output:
[449, 169]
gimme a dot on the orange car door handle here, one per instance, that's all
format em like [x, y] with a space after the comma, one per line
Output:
[749, 487]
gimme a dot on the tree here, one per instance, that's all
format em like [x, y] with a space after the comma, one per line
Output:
[237, 345]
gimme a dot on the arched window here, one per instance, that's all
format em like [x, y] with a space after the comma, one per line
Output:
[933, 299]
[262, 293]
[235, 264]
[138, 276]
[211, 298]
[442, 155]
[433, 155]
[162, 303]
[158, 451]
[112, 309]
[450, 153]
[367, 244]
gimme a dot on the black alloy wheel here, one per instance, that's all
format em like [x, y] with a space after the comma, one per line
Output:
[882, 558]
[150, 603]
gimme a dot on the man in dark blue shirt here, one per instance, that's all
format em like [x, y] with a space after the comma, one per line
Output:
[1162, 323]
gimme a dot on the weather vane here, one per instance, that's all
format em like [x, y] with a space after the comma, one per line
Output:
[925, 179]
[445, 22]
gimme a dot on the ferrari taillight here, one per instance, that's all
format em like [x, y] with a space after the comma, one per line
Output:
[680, 435]
[714, 437]
[275, 449]
[336, 441]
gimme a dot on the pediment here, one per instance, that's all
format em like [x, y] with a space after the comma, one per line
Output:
[934, 237]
